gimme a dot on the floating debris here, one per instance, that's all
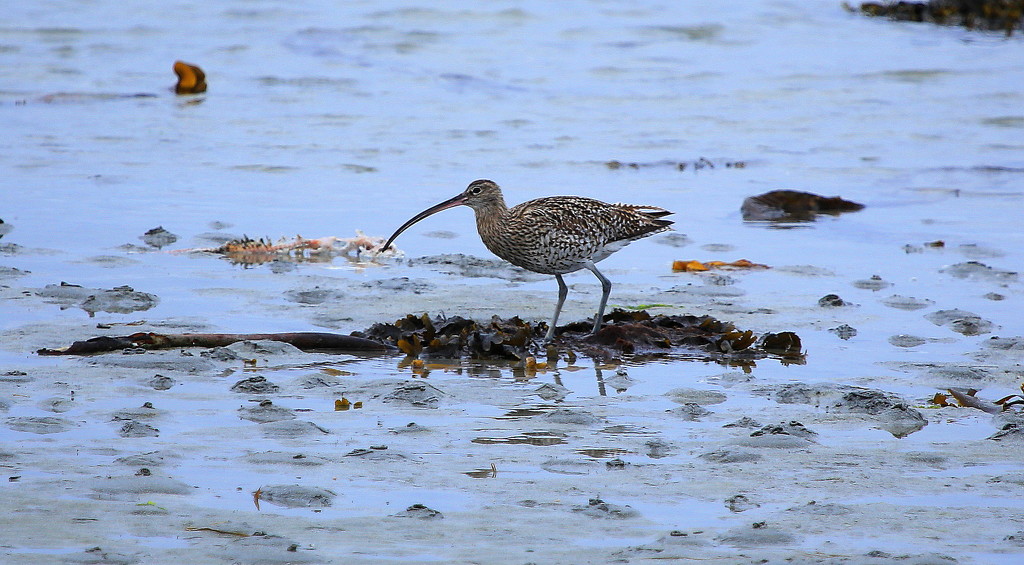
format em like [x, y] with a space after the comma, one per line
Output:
[695, 165]
[793, 206]
[191, 79]
[249, 252]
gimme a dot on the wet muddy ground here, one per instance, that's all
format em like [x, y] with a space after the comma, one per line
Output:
[260, 452]
[127, 214]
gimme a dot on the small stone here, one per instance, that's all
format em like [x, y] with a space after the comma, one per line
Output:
[875, 283]
[419, 511]
[160, 382]
[132, 428]
[255, 385]
[904, 340]
[844, 331]
[831, 301]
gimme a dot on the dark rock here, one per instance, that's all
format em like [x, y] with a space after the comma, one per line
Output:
[832, 301]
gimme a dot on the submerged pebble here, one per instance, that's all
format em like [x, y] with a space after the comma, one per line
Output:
[160, 382]
[132, 428]
[288, 429]
[757, 535]
[416, 394]
[844, 331]
[420, 512]
[904, 340]
[907, 302]
[255, 385]
[727, 455]
[961, 321]
[138, 484]
[265, 412]
[597, 508]
[875, 283]
[974, 270]
[690, 411]
[158, 237]
[296, 496]
[571, 416]
[684, 395]
[39, 424]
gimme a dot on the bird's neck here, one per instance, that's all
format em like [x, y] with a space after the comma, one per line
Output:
[490, 217]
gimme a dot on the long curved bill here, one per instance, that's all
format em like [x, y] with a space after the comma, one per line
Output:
[450, 203]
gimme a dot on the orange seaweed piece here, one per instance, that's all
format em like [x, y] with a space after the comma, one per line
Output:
[688, 266]
[693, 266]
[191, 79]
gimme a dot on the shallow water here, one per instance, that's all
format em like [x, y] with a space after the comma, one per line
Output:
[323, 119]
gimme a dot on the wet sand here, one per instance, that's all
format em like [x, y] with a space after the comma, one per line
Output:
[155, 457]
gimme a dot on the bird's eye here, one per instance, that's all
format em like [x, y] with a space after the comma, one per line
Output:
[474, 190]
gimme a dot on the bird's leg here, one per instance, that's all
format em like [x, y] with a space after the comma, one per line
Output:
[606, 289]
[563, 291]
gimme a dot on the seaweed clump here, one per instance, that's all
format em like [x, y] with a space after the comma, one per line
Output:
[633, 333]
[793, 206]
[990, 15]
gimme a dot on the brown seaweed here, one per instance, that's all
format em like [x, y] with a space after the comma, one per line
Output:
[793, 206]
[634, 333]
[318, 341]
[990, 15]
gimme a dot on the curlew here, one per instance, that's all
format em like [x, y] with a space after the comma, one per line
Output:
[553, 235]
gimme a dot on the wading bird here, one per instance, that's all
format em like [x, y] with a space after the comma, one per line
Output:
[553, 235]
